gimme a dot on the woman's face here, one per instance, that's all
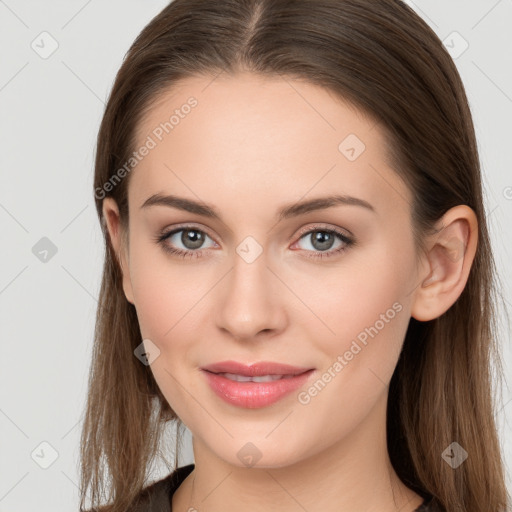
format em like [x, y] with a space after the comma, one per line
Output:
[259, 286]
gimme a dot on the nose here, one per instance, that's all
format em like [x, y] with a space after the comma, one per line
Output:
[250, 302]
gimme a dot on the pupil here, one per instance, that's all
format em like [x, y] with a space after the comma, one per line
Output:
[324, 239]
[192, 239]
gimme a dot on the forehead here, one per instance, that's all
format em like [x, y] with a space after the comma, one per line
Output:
[259, 138]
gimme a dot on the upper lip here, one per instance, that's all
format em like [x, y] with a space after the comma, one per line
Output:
[254, 369]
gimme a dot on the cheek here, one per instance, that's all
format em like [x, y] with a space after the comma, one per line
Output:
[166, 299]
[345, 299]
[169, 311]
[370, 320]
[365, 305]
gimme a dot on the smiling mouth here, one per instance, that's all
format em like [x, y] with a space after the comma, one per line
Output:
[254, 391]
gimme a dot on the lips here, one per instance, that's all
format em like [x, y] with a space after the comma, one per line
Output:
[256, 385]
[256, 369]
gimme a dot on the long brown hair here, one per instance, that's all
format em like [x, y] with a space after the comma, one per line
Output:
[385, 60]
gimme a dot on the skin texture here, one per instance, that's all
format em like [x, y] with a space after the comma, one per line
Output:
[249, 147]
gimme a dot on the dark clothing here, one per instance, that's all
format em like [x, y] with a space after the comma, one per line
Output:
[157, 497]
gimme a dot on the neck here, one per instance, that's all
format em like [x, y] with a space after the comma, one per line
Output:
[354, 475]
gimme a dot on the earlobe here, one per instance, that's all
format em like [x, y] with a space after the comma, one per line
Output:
[450, 254]
[111, 219]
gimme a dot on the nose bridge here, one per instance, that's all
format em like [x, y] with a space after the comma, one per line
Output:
[249, 299]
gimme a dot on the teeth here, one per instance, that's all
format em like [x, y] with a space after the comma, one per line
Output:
[260, 378]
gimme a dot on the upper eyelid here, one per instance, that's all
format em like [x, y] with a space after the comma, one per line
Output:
[321, 227]
[174, 230]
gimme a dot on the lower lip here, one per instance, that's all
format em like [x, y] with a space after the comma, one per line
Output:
[253, 395]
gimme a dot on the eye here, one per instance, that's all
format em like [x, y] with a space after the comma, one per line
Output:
[189, 237]
[322, 240]
[192, 239]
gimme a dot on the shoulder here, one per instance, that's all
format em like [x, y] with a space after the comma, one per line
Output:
[156, 497]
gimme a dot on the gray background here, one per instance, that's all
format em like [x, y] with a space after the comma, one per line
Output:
[51, 106]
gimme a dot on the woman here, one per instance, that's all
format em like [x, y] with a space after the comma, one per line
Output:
[297, 267]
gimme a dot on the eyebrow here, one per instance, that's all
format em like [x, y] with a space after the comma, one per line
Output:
[288, 211]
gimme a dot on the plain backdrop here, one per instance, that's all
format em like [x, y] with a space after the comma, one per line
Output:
[59, 60]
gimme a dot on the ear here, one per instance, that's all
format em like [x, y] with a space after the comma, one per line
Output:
[117, 238]
[450, 254]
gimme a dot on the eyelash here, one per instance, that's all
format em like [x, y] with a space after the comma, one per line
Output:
[347, 241]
